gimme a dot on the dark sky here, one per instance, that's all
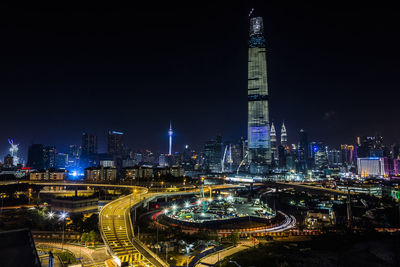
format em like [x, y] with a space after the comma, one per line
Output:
[332, 71]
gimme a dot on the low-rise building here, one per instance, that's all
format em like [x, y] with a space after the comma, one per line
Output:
[148, 172]
[369, 189]
[101, 174]
[75, 205]
[48, 175]
[137, 173]
[319, 218]
[177, 171]
[373, 167]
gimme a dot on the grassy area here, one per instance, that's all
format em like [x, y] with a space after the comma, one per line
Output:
[65, 256]
[329, 250]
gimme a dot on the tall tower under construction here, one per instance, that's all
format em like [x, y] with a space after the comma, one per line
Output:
[258, 118]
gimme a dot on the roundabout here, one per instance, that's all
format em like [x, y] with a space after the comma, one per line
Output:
[224, 214]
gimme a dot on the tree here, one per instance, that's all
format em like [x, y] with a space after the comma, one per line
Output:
[92, 236]
[90, 223]
[234, 237]
[77, 222]
[85, 238]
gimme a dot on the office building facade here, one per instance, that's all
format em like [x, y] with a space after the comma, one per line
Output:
[259, 156]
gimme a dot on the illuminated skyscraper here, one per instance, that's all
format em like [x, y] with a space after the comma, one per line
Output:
[213, 155]
[274, 152]
[283, 135]
[170, 133]
[258, 119]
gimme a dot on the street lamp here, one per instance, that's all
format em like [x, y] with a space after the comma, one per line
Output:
[50, 215]
[62, 217]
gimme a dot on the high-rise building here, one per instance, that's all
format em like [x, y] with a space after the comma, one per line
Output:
[8, 161]
[115, 144]
[282, 153]
[396, 151]
[148, 157]
[370, 146]
[49, 157]
[74, 151]
[335, 158]
[35, 157]
[188, 158]
[315, 147]
[274, 147]
[213, 155]
[258, 118]
[347, 154]
[283, 135]
[302, 151]
[162, 160]
[321, 160]
[88, 150]
[14, 151]
[89, 145]
[61, 161]
[236, 155]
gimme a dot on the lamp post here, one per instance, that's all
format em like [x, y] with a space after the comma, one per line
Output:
[166, 253]
[62, 217]
[138, 232]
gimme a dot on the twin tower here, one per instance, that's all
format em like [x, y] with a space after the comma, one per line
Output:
[259, 136]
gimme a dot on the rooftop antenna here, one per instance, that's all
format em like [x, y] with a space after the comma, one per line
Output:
[251, 12]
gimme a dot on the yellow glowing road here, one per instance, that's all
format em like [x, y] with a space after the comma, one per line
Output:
[116, 227]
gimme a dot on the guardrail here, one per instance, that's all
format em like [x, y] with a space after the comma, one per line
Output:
[132, 237]
[129, 230]
[203, 254]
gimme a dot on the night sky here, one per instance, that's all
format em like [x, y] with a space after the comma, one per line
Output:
[332, 71]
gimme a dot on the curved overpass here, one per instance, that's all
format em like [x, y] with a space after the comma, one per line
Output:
[117, 230]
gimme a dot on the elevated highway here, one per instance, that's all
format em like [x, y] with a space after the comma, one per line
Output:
[315, 189]
[117, 230]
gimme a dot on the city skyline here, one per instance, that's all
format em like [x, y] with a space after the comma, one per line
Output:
[213, 134]
[346, 113]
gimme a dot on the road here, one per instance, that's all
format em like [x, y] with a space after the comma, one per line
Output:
[116, 227]
[317, 188]
[114, 223]
[215, 258]
[90, 257]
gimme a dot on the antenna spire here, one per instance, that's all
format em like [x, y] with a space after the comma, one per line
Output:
[251, 12]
